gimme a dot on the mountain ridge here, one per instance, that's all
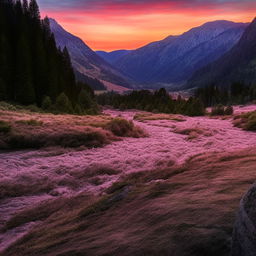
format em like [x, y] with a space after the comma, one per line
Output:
[162, 61]
[84, 59]
[112, 56]
[236, 65]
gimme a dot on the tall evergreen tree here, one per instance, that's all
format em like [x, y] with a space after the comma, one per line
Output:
[24, 90]
[31, 66]
[25, 6]
[34, 10]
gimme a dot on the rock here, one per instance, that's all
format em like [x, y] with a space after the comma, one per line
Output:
[244, 234]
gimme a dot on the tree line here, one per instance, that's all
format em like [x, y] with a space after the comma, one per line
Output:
[236, 93]
[32, 69]
[158, 101]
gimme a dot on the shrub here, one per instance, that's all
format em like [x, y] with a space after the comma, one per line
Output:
[92, 111]
[229, 110]
[124, 128]
[33, 108]
[122, 107]
[46, 103]
[78, 110]
[6, 106]
[70, 139]
[32, 122]
[195, 108]
[63, 104]
[5, 127]
[246, 121]
[120, 127]
[22, 141]
[78, 139]
[251, 122]
[218, 110]
[85, 100]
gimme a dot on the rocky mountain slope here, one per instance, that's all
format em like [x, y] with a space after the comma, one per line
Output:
[84, 59]
[237, 65]
[174, 59]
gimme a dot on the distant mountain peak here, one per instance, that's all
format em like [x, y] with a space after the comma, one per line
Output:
[236, 65]
[55, 24]
[173, 60]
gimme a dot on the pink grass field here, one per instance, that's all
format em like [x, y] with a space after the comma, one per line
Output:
[31, 176]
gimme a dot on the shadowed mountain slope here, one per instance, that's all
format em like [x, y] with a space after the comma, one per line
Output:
[174, 59]
[237, 65]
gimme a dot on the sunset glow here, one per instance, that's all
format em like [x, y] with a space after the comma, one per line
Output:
[122, 24]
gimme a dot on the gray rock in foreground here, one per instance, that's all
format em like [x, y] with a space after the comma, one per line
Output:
[244, 234]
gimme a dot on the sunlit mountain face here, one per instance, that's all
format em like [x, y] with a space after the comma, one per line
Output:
[128, 24]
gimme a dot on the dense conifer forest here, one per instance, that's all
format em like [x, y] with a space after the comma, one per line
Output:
[158, 101]
[32, 69]
[236, 93]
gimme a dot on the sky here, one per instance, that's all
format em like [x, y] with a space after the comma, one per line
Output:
[129, 24]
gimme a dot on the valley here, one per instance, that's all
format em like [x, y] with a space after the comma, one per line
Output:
[127, 128]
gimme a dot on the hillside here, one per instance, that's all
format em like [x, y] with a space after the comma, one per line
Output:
[85, 60]
[237, 65]
[174, 59]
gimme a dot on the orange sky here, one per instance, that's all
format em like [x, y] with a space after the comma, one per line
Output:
[120, 24]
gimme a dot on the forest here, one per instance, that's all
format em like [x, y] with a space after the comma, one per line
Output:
[33, 71]
[235, 94]
[157, 101]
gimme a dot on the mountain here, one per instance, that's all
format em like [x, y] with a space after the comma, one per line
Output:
[112, 57]
[84, 60]
[174, 59]
[237, 65]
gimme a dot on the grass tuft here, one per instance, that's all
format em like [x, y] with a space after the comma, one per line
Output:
[32, 122]
[141, 117]
[124, 128]
[246, 121]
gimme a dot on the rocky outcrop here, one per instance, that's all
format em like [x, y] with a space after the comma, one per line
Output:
[244, 234]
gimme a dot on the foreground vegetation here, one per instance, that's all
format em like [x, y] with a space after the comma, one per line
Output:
[159, 102]
[246, 121]
[25, 129]
[184, 210]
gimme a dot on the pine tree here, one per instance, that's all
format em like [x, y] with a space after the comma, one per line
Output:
[5, 67]
[34, 10]
[40, 69]
[24, 90]
[46, 103]
[3, 93]
[25, 6]
[63, 104]
[85, 100]
[46, 28]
